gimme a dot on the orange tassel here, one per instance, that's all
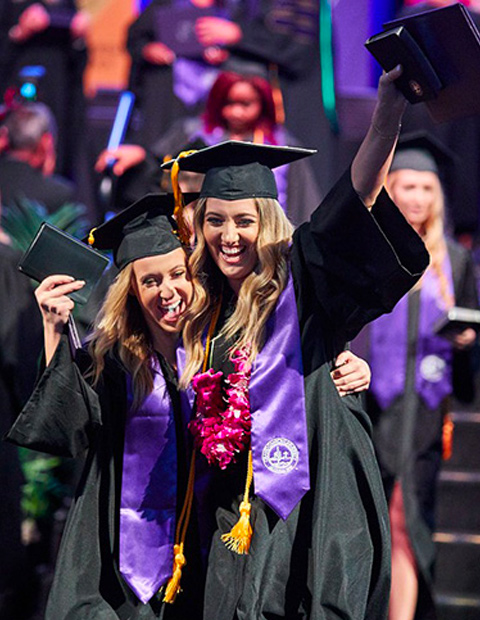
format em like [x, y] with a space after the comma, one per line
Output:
[91, 237]
[240, 536]
[173, 586]
[447, 437]
[183, 230]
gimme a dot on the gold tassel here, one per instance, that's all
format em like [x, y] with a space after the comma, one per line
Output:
[240, 536]
[173, 586]
[91, 237]
[447, 437]
[183, 230]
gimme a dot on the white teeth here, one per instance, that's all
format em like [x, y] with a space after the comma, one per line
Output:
[232, 251]
[173, 307]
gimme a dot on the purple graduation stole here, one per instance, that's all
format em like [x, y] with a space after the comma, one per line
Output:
[277, 399]
[149, 491]
[389, 342]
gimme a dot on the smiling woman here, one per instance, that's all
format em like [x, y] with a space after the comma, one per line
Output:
[231, 233]
[119, 404]
[300, 524]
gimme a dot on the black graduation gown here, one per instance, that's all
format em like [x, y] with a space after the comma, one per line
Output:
[330, 558]
[65, 416]
[408, 433]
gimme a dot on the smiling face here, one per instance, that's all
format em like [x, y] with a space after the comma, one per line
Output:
[242, 108]
[414, 193]
[231, 228]
[163, 288]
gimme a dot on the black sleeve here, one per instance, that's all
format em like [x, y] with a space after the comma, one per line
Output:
[359, 262]
[62, 411]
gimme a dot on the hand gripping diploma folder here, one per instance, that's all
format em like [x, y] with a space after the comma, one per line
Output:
[52, 251]
[440, 53]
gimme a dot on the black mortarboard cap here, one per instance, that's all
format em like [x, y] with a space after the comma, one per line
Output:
[440, 52]
[146, 228]
[235, 170]
[419, 150]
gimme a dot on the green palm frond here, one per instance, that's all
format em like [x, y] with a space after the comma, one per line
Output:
[22, 220]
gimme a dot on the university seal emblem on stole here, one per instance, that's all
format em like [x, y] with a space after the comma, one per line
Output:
[280, 455]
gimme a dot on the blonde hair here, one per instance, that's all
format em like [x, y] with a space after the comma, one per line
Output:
[434, 235]
[258, 294]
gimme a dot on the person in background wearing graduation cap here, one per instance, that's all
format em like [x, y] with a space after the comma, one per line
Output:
[301, 524]
[415, 371]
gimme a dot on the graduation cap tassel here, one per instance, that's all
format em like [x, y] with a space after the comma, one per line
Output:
[240, 536]
[183, 231]
[91, 236]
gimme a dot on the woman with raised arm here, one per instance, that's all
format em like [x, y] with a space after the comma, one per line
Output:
[301, 524]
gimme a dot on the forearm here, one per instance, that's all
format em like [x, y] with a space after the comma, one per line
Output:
[372, 162]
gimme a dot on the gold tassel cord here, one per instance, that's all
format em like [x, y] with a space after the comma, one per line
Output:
[173, 587]
[183, 230]
[240, 536]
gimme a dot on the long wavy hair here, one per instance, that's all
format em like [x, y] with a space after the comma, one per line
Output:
[434, 235]
[121, 327]
[218, 98]
[258, 294]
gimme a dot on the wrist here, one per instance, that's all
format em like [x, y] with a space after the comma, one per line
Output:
[387, 133]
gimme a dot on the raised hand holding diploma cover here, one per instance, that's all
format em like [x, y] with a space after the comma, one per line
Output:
[440, 54]
[53, 251]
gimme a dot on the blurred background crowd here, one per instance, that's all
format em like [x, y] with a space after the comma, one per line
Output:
[96, 94]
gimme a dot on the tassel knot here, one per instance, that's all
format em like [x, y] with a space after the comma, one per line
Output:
[173, 586]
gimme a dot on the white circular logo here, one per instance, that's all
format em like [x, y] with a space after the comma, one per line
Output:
[432, 368]
[280, 455]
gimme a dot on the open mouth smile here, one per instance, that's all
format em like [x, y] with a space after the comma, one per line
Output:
[172, 311]
[231, 254]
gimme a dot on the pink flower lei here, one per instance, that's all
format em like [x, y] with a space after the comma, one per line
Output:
[221, 429]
